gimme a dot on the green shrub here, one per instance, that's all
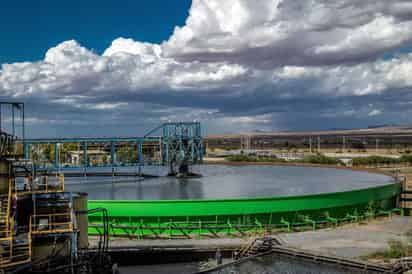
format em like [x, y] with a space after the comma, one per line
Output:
[241, 158]
[250, 158]
[397, 249]
[406, 159]
[321, 159]
[375, 160]
[310, 159]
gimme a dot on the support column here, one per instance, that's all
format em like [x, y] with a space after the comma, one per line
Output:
[343, 143]
[26, 151]
[140, 152]
[85, 160]
[161, 151]
[57, 155]
[139, 155]
[23, 123]
[310, 144]
[113, 153]
[376, 145]
[13, 130]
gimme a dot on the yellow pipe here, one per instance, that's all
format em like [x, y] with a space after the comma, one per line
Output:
[62, 181]
[11, 241]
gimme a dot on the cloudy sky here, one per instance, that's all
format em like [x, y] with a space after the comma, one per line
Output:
[235, 65]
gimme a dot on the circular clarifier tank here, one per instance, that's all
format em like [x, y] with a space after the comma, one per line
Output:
[236, 198]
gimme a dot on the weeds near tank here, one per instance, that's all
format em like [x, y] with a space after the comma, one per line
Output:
[380, 160]
[321, 159]
[256, 159]
[373, 160]
[397, 249]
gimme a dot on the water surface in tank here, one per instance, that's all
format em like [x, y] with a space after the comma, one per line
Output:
[225, 182]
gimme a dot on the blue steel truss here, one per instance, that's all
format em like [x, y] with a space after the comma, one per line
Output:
[177, 143]
[181, 143]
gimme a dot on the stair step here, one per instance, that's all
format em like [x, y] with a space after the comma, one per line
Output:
[20, 249]
[24, 245]
[4, 261]
[22, 257]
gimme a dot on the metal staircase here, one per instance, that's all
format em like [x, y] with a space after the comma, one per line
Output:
[4, 216]
[13, 250]
[257, 246]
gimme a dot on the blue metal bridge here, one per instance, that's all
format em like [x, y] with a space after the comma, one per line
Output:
[171, 144]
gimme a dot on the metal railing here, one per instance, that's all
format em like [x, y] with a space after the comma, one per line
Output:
[45, 186]
[5, 213]
[51, 223]
[13, 253]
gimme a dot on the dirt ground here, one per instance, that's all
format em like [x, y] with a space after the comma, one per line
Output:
[352, 240]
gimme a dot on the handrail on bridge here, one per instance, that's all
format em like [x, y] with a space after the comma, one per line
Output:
[176, 142]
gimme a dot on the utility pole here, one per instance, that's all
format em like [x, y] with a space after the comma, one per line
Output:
[310, 144]
[318, 144]
[245, 142]
[376, 145]
[343, 143]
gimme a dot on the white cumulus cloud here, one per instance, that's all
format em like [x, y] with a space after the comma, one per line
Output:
[235, 63]
[271, 33]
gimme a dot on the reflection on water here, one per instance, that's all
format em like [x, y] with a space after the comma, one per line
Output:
[221, 181]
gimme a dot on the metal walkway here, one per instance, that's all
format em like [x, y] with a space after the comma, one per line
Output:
[167, 144]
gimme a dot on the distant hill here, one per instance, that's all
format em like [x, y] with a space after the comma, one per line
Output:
[370, 130]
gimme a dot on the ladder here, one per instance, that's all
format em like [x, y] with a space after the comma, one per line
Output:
[13, 251]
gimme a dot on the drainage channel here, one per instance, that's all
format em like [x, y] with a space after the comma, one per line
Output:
[278, 259]
[291, 260]
[129, 256]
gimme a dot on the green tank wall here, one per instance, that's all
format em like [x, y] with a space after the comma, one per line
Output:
[172, 217]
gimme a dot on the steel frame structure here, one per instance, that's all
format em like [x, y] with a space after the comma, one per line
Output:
[176, 141]
[8, 136]
[182, 143]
